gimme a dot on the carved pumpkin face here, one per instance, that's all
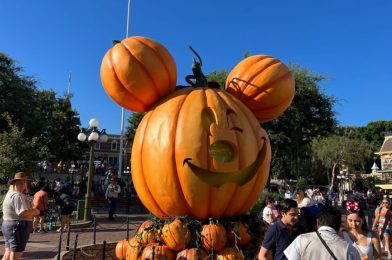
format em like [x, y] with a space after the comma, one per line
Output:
[202, 153]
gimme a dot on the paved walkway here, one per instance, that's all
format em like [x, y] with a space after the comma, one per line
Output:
[45, 245]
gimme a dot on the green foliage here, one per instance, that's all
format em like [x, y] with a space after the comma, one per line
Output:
[364, 184]
[374, 133]
[17, 152]
[310, 116]
[301, 183]
[46, 125]
[133, 122]
[261, 202]
[335, 152]
[219, 77]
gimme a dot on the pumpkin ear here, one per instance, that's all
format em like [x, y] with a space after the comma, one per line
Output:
[264, 84]
[137, 72]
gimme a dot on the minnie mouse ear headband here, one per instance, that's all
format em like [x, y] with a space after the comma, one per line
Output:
[352, 206]
[19, 176]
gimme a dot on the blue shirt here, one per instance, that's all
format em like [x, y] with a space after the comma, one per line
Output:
[278, 237]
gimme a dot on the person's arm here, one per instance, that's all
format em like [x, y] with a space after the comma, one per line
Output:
[29, 213]
[118, 189]
[376, 246]
[264, 254]
[107, 192]
[376, 219]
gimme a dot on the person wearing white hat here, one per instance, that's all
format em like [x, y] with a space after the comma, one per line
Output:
[17, 217]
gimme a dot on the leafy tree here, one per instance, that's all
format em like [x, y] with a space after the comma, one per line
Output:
[17, 152]
[374, 133]
[310, 116]
[133, 122]
[337, 152]
[39, 116]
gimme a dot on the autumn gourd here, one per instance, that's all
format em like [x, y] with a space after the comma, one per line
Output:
[176, 235]
[158, 252]
[213, 236]
[121, 249]
[264, 84]
[192, 254]
[230, 253]
[134, 248]
[146, 233]
[239, 233]
[137, 72]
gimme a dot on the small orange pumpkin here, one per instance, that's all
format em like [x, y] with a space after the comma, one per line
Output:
[192, 254]
[230, 253]
[176, 235]
[158, 252]
[137, 72]
[241, 230]
[264, 84]
[121, 249]
[134, 249]
[213, 236]
[146, 233]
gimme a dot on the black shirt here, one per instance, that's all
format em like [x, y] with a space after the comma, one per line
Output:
[278, 237]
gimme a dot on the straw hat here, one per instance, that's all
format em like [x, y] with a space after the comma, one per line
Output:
[19, 176]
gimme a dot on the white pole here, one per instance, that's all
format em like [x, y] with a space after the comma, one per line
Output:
[120, 156]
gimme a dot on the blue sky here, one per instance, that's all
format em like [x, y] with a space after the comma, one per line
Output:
[349, 42]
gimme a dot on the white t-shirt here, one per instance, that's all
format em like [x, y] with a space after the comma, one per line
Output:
[306, 202]
[14, 204]
[267, 213]
[288, 195]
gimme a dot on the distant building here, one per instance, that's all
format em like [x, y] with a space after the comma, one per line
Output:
[386, 154]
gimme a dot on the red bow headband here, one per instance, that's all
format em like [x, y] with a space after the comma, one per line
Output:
[352, 206]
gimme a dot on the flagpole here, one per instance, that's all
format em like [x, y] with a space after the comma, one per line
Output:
[120, 157]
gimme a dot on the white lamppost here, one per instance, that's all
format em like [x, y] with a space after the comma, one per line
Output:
[91, 135]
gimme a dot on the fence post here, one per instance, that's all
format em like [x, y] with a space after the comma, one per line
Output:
[104, 250]
[75, 247]
[95, 230]
[59, 248]
[68, 235]
[127, 228]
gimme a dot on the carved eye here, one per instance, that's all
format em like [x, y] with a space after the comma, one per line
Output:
[231, 112]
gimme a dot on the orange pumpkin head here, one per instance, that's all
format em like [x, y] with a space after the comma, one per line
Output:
[137, 72]
[121, 249]
[202, 153]
[158, 252]
[213, 236]
[239, 232]
[134, 249]
[176, 235]
[264, 84]
[192, 254]
[230, 253]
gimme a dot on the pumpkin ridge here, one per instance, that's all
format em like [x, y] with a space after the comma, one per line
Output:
[260, 90]
[238, 94]
[145, 70]
[147, 188]
[209, 201]
[275, 106]
[240, 108]
[163, 62]
[175, 153]
[248, 81]
[111, 67]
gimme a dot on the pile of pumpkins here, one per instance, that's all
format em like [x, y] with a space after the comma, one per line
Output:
[199, 150]
[183, 238]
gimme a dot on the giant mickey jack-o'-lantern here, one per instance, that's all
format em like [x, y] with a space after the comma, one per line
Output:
[199, 151]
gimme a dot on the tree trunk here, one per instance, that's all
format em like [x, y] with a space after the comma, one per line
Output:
[333, 177]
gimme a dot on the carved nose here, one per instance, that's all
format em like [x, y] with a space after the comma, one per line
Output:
[222, 151]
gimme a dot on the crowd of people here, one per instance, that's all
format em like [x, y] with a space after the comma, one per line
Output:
[307, 224]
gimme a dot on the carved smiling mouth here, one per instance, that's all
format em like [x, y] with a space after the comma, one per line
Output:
[240, 177]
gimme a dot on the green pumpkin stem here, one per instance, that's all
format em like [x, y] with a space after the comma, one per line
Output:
[198, 79]
[116, 42]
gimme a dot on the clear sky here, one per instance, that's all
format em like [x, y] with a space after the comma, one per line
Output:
[349, 42]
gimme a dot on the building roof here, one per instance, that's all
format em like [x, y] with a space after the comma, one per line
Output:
[387, 145]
